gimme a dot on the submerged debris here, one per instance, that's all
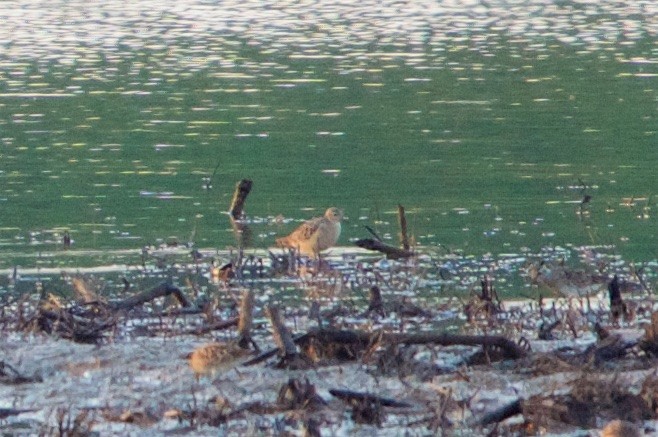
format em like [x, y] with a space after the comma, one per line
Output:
[369, 351]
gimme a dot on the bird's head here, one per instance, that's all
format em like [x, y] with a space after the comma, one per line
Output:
[334, 214]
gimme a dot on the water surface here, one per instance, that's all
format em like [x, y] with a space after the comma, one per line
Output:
[129, 123]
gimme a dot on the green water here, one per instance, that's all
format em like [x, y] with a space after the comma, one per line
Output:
[111, 119]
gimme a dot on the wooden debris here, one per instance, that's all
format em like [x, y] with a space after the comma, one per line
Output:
[366, 407]
[7, 412]
[351, 397]
[246, 319]
[485, 304]
[376, 305]
[290, 357]
[297, 394]
[390, 251]
[618, 308]
[505, 412]
[242, 190]
[215, 326]
[72, 323]
[162, 290]
[358, 340]
[10, 376]
[242, 232]
[546, 331]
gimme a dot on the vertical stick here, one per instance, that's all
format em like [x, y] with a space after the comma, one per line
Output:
[280, 332]
[242, 190]
[404, 240]
[246, 316]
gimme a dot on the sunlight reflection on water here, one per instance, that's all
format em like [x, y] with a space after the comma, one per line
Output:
[152, 52]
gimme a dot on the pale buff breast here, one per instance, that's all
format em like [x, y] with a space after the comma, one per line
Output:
[315, 235]
[324, 238]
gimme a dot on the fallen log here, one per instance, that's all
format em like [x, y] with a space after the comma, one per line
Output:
[358, 341]
[503, 413]
[271, 352]
[9, 375]
[390, 251]
[161, 290]
[510, 349]
[216, 326]
[352, 397]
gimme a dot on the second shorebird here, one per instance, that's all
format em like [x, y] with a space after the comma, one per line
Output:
[216, 358]
[315, 235]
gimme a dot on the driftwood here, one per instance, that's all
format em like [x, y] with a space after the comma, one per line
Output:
[290, 357]
[546, 331]
[272, 352]
[367, 408]
[87, 323]
[9, 375]
[297, 394]
[216, 326]
[72, 323]
[161, 290]
[348, 345]
[7, 412]
[282, 336]
[505, 412]
[242, 190]
[352, 397]
[390, 251]
[245, 321]
[351, 337]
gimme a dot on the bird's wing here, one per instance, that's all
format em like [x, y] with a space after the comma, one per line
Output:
[306, 230]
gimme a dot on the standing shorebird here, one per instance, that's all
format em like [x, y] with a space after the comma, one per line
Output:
[216, 358]
[315, 235]
[565, 282]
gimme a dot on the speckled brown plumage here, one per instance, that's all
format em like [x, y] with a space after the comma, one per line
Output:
[315, 235]
[620, 428]
[215, 358]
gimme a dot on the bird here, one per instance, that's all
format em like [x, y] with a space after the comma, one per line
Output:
[620, 428]
[215, 358]
[566, 282]
[315, 235]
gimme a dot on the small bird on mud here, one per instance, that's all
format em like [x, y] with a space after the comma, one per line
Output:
[215, 358]
[315, 235]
